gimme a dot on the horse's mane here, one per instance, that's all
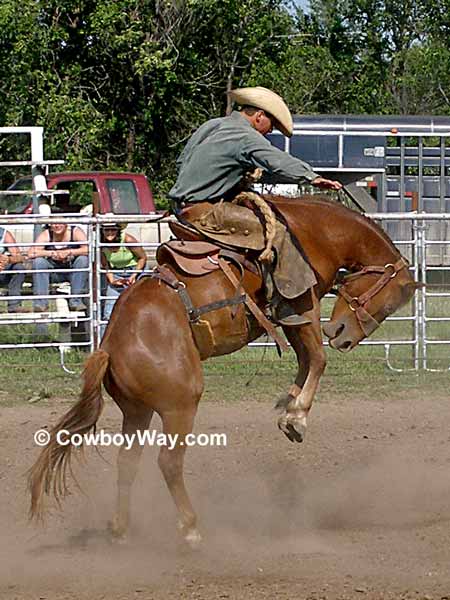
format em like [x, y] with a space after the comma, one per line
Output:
[379, 230]
[335, 206]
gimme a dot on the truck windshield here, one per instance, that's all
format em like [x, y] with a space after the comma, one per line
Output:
[123, 196]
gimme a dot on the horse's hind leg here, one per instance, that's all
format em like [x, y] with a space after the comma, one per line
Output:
[127, 466]
[171, 460]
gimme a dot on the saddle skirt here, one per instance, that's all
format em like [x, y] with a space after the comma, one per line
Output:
[192, 257]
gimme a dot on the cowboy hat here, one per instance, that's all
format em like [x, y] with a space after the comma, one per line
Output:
[261, 97]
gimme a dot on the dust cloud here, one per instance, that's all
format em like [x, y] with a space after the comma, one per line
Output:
[263, 506]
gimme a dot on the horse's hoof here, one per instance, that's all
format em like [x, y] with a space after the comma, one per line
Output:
[294, 430]
[118, 534]
[117, 540]
[190, 535]
[193, 539]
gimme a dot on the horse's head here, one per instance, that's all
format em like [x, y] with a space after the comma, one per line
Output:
[365, 299]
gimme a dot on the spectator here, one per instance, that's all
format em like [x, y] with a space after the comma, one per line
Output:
[11, 260]
[122, 262]
[55, 252]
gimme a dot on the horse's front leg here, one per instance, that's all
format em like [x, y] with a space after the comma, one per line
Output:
[306, 341]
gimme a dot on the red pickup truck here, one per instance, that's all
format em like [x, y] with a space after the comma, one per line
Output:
[126, 193]
[121, 193]
[109, 192]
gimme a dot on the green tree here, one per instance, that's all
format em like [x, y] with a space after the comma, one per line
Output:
[121, 83]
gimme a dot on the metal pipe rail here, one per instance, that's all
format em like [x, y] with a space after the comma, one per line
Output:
[421, 340]
[420, 337]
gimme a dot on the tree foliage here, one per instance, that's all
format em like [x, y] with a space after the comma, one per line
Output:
[121, 84]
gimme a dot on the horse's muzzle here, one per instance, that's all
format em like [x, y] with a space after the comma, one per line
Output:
[340, 337]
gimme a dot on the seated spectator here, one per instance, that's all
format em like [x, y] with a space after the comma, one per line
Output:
[11, 260]
[123, 262]
[55, 253]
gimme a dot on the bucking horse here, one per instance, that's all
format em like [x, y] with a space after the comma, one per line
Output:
[162, 327]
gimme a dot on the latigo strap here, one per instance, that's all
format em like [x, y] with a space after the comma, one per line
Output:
[253, 308]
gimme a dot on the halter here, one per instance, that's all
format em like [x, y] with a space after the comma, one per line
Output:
[358, 304]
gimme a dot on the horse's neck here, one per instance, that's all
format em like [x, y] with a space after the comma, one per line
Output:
[368, 244]
[344, 239]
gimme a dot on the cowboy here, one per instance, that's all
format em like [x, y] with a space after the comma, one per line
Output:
[211, 169]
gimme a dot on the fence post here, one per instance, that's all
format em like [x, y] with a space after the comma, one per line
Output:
[420, 276]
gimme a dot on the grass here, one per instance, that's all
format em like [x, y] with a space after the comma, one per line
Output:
[364, 371]
[256, 374]
[35, 375]
[31, 375]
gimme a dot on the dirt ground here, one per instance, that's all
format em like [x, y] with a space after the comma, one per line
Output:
[359, 510]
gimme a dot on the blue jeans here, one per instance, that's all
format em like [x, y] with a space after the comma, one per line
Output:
[14, 281]
[78, 280]
[112, 293]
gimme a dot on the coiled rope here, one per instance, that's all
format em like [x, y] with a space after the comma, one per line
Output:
[267, 213]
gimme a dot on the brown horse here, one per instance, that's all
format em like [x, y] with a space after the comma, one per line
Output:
[148, 360]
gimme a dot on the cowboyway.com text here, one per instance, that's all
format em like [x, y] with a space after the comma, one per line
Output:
[127, 440]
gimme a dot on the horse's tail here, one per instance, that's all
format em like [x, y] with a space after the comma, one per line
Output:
[48, 475]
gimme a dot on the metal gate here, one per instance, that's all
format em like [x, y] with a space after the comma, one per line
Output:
[421, 330]
[390, 164]
[429, 311]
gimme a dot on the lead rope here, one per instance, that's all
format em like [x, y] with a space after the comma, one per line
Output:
[267, 213]
[259, 366]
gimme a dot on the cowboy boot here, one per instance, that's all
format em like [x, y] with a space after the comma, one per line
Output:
[284, 313]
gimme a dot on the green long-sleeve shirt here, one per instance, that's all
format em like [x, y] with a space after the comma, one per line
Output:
[221, 151]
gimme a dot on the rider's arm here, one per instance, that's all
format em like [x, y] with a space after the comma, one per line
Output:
[281, 167]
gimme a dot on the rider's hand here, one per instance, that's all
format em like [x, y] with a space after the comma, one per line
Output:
[327, 184]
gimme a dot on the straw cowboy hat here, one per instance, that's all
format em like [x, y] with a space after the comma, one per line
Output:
[261, 97]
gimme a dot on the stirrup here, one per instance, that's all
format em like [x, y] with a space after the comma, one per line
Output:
[284, 314]
[293, 320]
